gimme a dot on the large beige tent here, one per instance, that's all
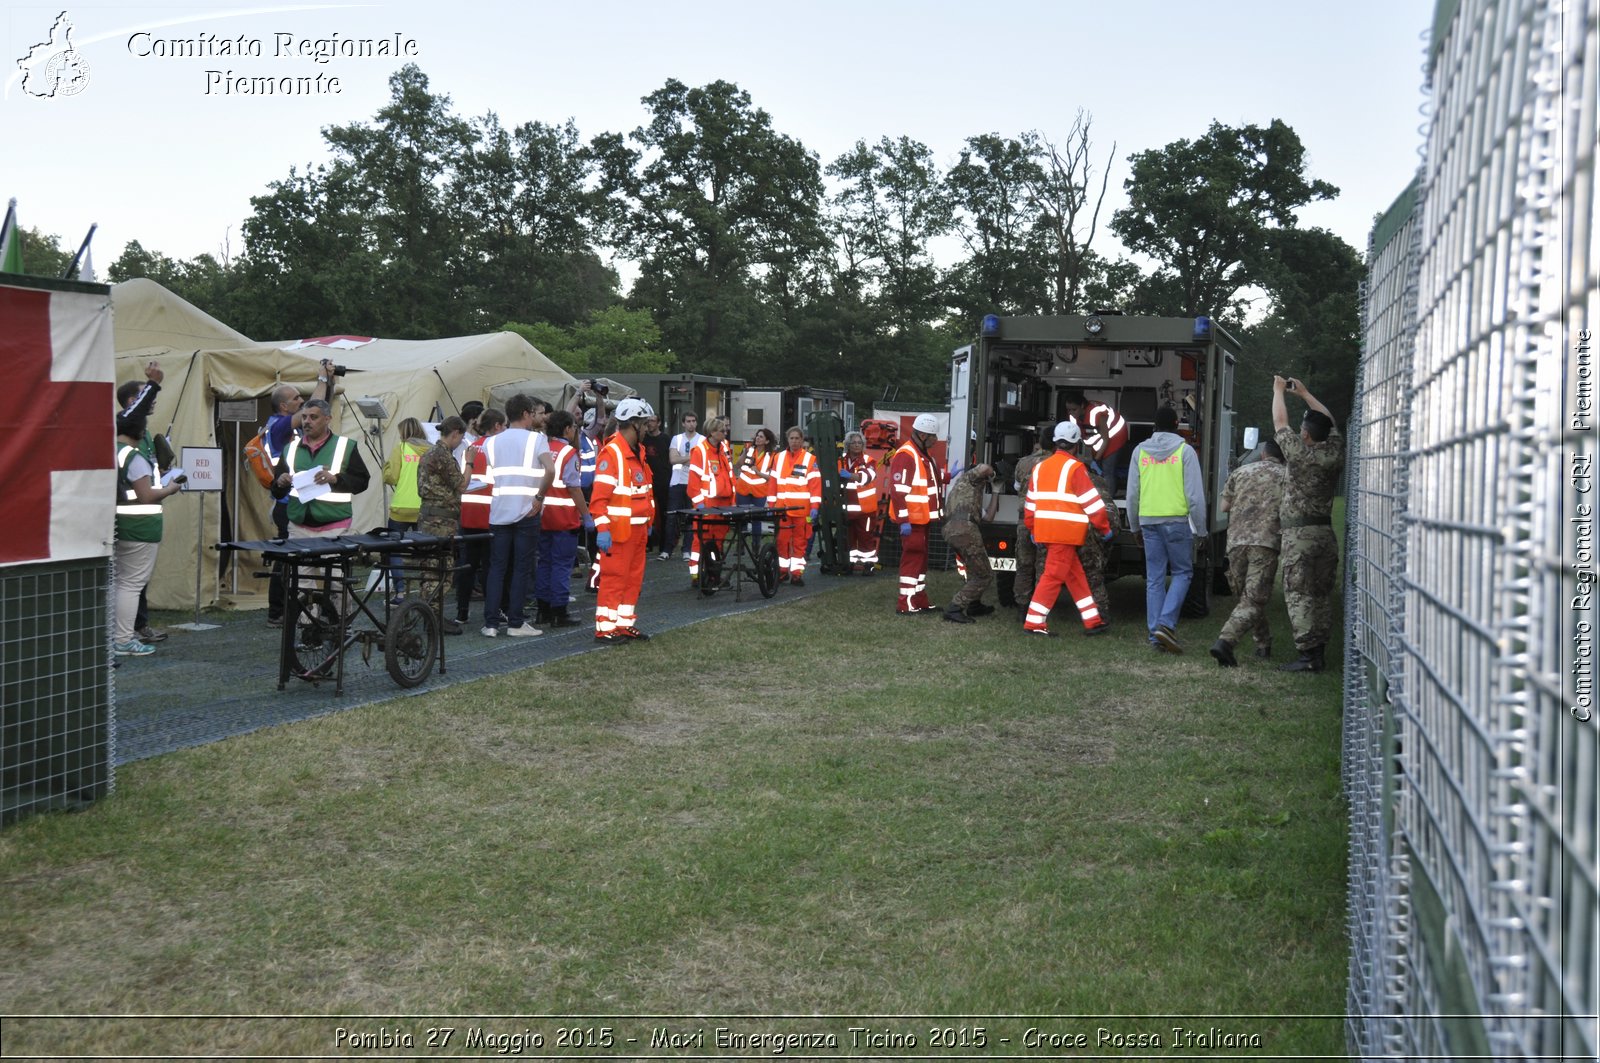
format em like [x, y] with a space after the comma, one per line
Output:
[207, 363]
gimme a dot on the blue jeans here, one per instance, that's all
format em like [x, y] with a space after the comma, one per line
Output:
[678, 527]
[1168, 547]
[514, 549]
[397, 576]
[755, 525]
[553, 583]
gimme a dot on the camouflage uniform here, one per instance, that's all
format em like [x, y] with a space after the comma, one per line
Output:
[1092, 555]
[1253, 497]
[1310, 552]
[963, 507]
[1030, 559]
[439, 487]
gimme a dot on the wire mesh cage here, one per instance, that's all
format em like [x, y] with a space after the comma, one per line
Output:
[1472, 900]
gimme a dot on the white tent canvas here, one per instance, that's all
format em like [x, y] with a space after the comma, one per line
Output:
[206, 362]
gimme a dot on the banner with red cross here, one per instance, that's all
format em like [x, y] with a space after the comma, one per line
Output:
[57, 435]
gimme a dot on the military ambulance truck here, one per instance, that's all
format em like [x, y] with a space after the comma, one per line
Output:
[1017, 375]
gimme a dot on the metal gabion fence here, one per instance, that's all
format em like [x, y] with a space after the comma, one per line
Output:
[1470, 754]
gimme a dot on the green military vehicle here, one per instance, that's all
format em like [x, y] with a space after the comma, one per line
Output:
[1017, 375]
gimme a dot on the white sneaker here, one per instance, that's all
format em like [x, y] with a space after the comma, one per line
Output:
[526, 631]
[489, 632]
[686, 555]
[662, 556]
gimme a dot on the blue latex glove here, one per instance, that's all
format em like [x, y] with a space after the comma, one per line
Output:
[1108, 536]
[588, 524]
[701, 508]
[812, 517]
[845, 476]
[603, 541]
[905, 530]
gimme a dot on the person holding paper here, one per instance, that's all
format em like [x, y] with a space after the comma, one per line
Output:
[138, 531]
[320, 474]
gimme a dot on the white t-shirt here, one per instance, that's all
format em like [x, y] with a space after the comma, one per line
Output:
[683, 443]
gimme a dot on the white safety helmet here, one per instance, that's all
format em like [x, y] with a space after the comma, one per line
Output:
[926, 422]
[1067, 431]
[633, 410]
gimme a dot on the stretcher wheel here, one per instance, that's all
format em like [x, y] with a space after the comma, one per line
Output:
[316, 636]
[411, 642]
[710, 567]
[767, 571]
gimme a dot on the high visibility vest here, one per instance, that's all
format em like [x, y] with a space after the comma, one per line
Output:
[753, 466]
[914, 496]
[1161, 484]
[1107, 430]
[329, 508]
[475, 503]
[517, 477]
[861, 493]
[560, 511]
[406, 499]
[799, 484]
[586, 455]
[137, 522]
[623, 500]
[1062, 502]
[710, 478]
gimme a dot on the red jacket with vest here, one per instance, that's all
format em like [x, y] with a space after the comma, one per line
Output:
[475, 503]
[560, 512]
[914, 493]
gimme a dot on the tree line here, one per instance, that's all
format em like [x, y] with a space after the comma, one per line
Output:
[753, 257]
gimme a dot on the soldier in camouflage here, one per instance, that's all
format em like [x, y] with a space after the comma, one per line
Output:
[964, 508]
[1095, 551]
[1252, 499]
[440, 481]
[1314, 458]
[1030, 559]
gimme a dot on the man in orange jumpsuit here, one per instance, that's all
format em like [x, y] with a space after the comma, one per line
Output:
[623, 505]
[1062, 504]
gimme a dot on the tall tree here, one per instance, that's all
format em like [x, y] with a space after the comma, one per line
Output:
[997, 219]
[892, 203]
[710, 199]
[526, 215]
[1068, 207]
[1204, 209]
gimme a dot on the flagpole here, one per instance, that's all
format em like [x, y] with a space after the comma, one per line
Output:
[11, 241]
[72, 267]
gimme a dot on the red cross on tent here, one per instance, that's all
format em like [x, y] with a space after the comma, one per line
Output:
[54, 417]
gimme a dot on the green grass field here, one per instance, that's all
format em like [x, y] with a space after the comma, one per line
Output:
[816, 809]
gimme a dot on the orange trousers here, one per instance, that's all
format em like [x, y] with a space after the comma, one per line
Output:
[621, 577]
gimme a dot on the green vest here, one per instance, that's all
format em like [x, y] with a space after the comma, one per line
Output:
[137, 522]
[329, 508]
[1161, 484]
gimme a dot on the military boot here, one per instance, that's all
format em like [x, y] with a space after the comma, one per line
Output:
[559, 617]
[542, 614]
[1310, 660]
[1222, 650]
[957, 615]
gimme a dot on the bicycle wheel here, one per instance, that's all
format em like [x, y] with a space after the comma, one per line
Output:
[710, 567]
[766, 572]
[316, 636]
[411, 642]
